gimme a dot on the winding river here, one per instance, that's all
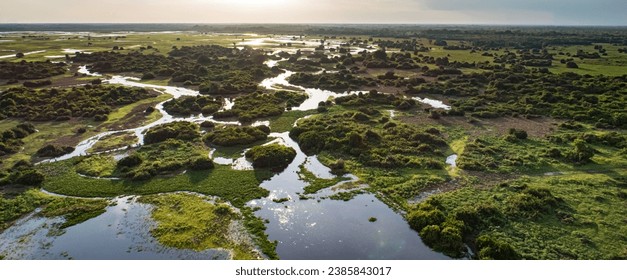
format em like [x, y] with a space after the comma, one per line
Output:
[314, 228]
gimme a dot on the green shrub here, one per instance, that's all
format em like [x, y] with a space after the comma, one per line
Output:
[201, 163]
[420, 219]
[490, 248]
[235, 135]
[185, 131]
[130, 161]
[273, 156]
[54, 150]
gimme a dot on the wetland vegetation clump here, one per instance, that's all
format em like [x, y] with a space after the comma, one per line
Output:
[230, 135]
[185, 131]
[271, 156]
[362, 137]
[215, 70]
[375, 98]
[341, 81]
[51, 150]
[164, 158]
[11, 139]
[188, 221]
[260, 105]
[594, 100]
[22, 173]
[30, 70]
[188, 105]
[74, 210]
[314, 184]
[65, 103]
[100, 165]
[529, 218]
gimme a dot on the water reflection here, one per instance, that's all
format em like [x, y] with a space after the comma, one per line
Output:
[122, 232]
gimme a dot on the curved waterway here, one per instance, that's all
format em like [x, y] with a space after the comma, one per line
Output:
[320, 228]
[314, 228]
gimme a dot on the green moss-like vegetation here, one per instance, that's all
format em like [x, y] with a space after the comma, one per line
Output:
[346, 196]
[96, 166]
[564, 217]
[286, 121]
[561, 149]
[12, 209]
[236, 135]
[274, 156]
[189, 221]
[257, 227]
[238, 187]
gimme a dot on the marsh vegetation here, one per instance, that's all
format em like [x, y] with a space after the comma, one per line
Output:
[534, 118]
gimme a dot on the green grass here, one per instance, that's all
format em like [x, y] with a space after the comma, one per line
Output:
[48, 132]
[257, 228]
[238, 187]
[187, 221]
[114, 141]
[162, 42]
[74, 210]
[587, 222]
[315, 183]
[96, 166]
[286, 121]
[611, 65]
[120, 116]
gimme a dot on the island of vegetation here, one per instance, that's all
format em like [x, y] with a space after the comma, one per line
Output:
[491, 142]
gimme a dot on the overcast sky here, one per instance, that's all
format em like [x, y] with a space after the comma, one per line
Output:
[541, 12]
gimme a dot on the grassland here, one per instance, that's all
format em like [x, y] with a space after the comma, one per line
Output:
[237, 187]
[55, 45]
[583, 219]
[188, 221]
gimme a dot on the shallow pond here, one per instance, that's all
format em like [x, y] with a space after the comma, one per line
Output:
[122, 232]
[320, 228]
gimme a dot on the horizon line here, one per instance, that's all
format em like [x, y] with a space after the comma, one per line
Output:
[325, 23]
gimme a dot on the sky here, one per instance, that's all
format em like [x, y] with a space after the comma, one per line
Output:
[527, 12]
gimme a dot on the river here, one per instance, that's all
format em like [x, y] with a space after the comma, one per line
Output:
[315, 228]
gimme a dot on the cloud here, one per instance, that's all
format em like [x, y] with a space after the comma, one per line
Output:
[318, 11]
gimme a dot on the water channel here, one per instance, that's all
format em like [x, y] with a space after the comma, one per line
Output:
[314, 228]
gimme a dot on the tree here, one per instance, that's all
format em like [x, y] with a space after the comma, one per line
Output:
[571, 64]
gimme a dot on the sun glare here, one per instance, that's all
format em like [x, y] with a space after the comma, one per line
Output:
[256, 3]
